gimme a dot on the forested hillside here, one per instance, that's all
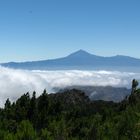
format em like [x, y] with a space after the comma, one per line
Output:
[70, 116]
[106, 93]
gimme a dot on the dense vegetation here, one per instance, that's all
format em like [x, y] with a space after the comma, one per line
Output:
[70, 116]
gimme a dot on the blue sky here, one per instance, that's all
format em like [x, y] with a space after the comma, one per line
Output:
[43, 29]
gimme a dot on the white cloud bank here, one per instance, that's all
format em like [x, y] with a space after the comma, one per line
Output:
[13, 83]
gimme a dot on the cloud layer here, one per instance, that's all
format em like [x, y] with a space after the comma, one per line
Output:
[13, 83]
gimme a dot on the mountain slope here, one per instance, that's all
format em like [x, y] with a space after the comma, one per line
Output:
[80, 59]
[107, 93]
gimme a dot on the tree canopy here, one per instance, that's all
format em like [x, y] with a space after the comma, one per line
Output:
[70, 116]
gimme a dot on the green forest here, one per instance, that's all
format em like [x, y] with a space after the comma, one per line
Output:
[70, 116]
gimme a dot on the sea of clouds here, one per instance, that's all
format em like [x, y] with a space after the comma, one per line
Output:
[13, 83]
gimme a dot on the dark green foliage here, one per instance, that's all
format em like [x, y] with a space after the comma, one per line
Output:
[70, 116]
[134, 85]
[32, 111]
[7, 104]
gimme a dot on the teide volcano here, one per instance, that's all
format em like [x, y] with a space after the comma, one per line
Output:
[78, 60]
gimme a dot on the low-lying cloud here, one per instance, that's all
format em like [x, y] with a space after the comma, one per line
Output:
[13, 83]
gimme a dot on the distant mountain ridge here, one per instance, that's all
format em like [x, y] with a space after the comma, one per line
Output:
[80, 59]
[105, 93]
